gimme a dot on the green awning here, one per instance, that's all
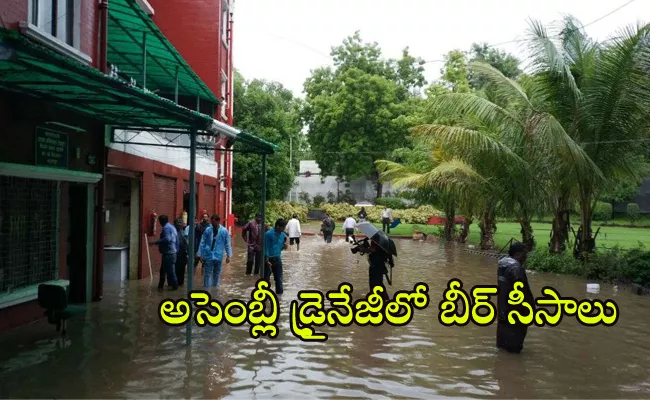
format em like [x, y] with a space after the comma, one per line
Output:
[130, 31]
[36, 71]
[249, 140]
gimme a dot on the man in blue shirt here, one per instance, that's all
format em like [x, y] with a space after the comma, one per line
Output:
[214, 241]
[168, 246]
[275, 240]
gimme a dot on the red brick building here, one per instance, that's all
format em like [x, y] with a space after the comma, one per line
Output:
[74, 75]
[201, 33]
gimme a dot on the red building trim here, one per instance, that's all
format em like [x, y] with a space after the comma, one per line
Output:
[148, 168]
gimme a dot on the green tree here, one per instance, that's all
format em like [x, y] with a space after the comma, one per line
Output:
[506, 63]
[361, 109]
[271, 112]
[599, 93]
[455, 73]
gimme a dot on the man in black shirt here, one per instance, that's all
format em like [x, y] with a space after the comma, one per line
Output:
[511, 270]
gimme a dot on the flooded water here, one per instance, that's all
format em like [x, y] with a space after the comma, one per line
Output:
[120, 349]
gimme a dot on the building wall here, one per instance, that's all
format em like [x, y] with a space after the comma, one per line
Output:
[19, 117]
[163, 184]
[192, 26]
[13, 12]
[362, 189]
[208, 56]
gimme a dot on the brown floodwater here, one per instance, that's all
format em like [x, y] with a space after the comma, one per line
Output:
[121, 349]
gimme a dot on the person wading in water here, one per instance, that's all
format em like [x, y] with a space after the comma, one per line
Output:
[294, 232]
[168, 247]
[214, 241]
[183, 249]
[327, 227]
[198, 234]
[377, 258]
[511, 270]
[275, 240]
[252, 234]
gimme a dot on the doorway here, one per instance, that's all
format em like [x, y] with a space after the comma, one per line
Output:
[79, 242]
[122, 229]
[186, 203]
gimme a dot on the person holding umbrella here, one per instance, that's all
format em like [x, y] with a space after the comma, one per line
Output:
[381, 250]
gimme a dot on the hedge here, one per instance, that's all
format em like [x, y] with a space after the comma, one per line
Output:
[283, 209]
[418, 215]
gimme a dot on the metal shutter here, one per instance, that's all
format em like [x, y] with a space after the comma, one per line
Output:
[164, 196]
[210, 199]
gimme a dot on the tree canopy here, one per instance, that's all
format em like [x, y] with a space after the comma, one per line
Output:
[271, 112]
[360, 109]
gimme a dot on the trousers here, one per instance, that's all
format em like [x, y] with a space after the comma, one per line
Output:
[376, 278]
[385, 225]
[181, 263]
[276, 269]
[254, 257]
[168, 268]
[511, 337]
[327, 236]
[212, 272]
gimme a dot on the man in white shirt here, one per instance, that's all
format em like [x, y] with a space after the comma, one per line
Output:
[293, 231]
[348, 228]
[385, 219]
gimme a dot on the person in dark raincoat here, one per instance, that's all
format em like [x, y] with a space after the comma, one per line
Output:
[511, 270]
[377, 258]
[327, 227]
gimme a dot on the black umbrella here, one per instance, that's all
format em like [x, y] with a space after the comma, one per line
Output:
[382, 240]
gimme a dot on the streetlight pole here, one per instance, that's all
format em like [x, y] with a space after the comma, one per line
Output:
[291, 166]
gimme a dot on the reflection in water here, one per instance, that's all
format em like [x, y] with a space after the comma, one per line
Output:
[121, 349]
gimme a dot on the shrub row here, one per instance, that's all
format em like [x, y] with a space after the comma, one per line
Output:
[612, 265]
[418, 215]
[282, 209]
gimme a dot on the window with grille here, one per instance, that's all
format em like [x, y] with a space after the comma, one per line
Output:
[28, 232]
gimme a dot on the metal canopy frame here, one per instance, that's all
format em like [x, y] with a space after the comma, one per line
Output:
[141, 51]
[37, 72]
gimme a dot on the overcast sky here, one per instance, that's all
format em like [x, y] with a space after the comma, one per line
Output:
[283, 40]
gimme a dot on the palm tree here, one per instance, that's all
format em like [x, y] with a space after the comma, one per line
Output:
[599, 94]
[410, 170]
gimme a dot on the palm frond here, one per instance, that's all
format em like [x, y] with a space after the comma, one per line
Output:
[510, 88]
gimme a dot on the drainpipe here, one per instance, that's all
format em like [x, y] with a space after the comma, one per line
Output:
[103, 35]
[101, 189]
[231, 101]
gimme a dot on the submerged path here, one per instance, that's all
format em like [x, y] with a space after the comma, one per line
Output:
[121, 348]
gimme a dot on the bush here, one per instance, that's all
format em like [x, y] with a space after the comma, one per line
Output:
[418, 215]
[318, 200]
[603, 211]
[612, 265]
[282, 209]
[543, 261]
[331, 197]
[633, 212]
[394, 203]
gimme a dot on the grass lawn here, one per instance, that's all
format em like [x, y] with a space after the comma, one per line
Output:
[609, 236]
